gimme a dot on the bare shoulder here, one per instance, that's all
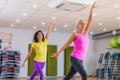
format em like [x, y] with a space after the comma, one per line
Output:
[74, 34]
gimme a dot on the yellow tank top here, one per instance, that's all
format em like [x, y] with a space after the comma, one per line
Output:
[40, 49]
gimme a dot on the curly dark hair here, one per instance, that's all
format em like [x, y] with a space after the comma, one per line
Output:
[35, 36]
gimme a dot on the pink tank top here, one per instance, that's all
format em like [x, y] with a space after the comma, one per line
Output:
[80, 46]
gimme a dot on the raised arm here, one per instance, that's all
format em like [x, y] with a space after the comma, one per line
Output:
[49, 30]
[73, 36]
[89, 24]
[27, 57]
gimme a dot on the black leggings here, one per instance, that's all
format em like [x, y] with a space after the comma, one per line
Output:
[76, 66]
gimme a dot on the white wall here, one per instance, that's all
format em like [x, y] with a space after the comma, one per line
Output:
[90, 61]
[21, 39]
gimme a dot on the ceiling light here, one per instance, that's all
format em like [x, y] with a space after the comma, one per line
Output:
[24, 14]
[53, 18]
[104, 29]
[34, 5]
[65, 26]
[115, 6]
[17, 20]
[34, 27]
[74, 30]
[55, 29]
[100, 23]
[91, 32]
[43, 23]
[94, 14]
[11, 25]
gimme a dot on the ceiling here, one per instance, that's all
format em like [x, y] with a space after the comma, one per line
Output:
[26, 14]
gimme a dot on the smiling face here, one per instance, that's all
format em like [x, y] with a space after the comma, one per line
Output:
[39, 36]
[81, 25]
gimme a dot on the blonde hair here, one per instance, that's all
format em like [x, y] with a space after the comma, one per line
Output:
[78, 21]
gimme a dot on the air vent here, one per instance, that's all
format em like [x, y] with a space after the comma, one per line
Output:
[68, 6]
[106, 35]
[84, 2]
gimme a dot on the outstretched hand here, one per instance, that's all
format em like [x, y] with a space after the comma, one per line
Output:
[52, 23]
[94, 5]
[54, 55]
[22, 65]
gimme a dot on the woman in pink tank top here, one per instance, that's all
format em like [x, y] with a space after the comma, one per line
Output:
[81, 41]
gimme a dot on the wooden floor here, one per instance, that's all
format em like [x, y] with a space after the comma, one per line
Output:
[77, 78]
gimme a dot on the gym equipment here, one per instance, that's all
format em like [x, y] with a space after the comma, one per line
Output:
[99, 70]
[113, 43]
[110, 69]
[118, 40]
[10, 66]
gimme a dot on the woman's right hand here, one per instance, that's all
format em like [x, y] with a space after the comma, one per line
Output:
[94, 5]
[53, 23]
[55, 55]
